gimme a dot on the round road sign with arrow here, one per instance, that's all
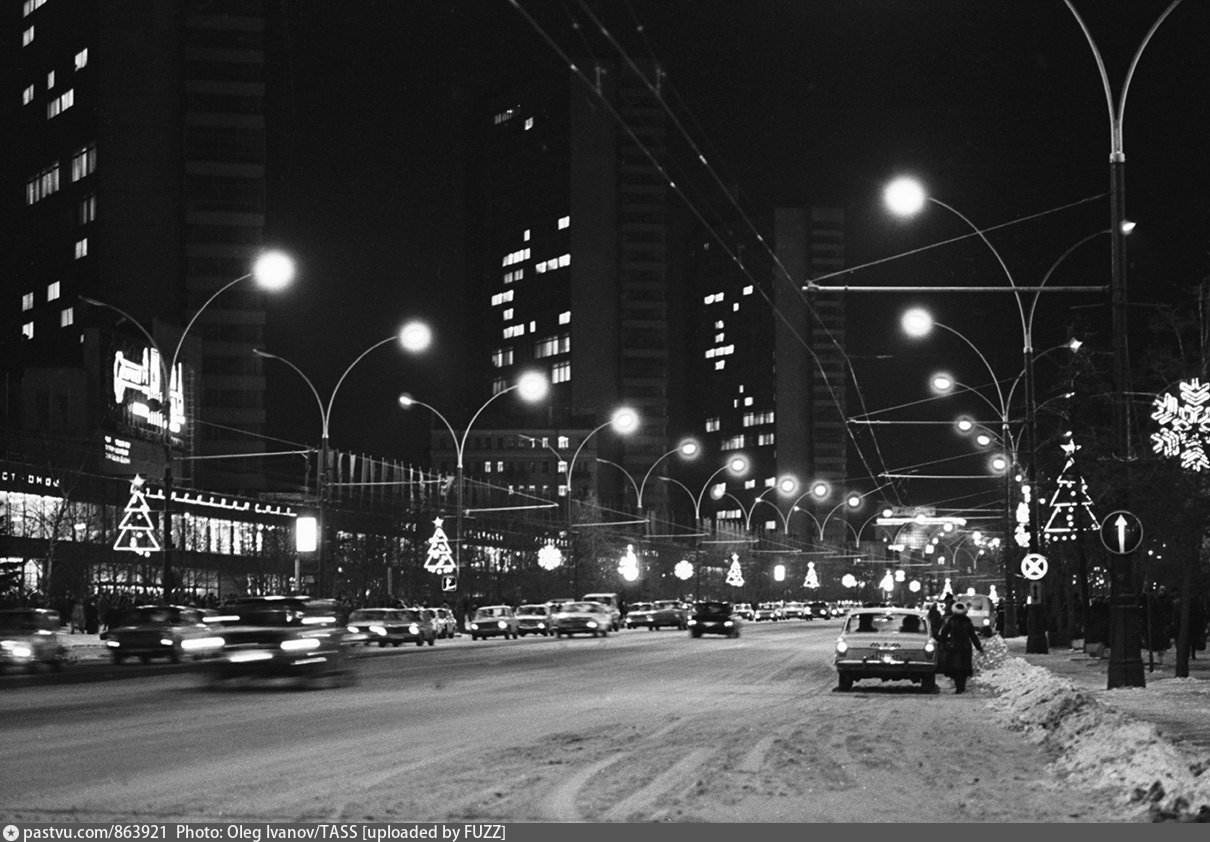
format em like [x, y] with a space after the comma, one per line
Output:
[1121, 532]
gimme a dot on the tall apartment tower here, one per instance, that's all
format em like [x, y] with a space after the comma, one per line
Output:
[569, 244]
[134, 175]
[771, 377]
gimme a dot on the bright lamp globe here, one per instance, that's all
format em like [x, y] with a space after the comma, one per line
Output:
[916, 322]
[415, 336]
[274, 270]
[904, 196]
[533, 386]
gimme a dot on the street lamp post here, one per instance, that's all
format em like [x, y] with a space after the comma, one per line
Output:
[1126, 662]
[532, 387]
[272, 271]
[413, 337]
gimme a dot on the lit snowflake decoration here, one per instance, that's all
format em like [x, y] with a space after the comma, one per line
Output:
[550, 556]
[683, 570]
[1184, 425]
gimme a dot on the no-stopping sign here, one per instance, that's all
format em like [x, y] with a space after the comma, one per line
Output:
[1033, 566]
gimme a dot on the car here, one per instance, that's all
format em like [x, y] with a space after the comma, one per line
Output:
[493, 621]
[30, 637]
[533, 618]
[446, 622]
[584, 617]
[795, 611]
[744, 610]
[154, 631]
[714, 617]
[766, 613]
[638, 615]
[889, 644]
[611, 603]
[296, 638]
[393, 625]
[820, 610]
[982, 612]
[668, 612]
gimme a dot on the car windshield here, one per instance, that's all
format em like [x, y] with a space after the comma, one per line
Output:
[884, 624]
[21, 621]
[640, 606]
[579, 607]
[667, 605]
[492, 612]
[152, 615]
[364, 614]
[411, 615]
[713, 608]
[532, 609]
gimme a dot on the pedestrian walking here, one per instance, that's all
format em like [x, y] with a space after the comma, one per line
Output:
[958, 639]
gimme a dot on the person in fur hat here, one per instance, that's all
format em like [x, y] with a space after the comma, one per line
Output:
[958, 639]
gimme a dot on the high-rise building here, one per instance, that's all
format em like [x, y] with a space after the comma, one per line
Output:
[771, 374]
[134, 176]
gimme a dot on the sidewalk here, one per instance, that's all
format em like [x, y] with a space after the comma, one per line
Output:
[1179, 707]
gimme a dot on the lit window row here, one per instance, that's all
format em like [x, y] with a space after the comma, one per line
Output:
[514, 275]
[764, 439]
[83, 162]
[553, 263]
[752, 419]
[511, 331]
[732, 443]
[60, 103]
[713, 298]
[502, 357]
[565, 317]
[28, 7]
[502, 297]
[504, 116]
[724, 351]
[560, 372]
[43, 184]
[516, 257]
[552, 345]
[712, 425]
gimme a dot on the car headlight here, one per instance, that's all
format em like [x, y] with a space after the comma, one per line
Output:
[475, 626]
[929, 648]
[693, 622]
[502, 624]
[728, 623]
[300, 644]
[842, 647]
[165, 641]
[353, 629]
[16, 648]
[379, 630]
[201, 644]
[113, 644]
[541, 625]
[413, 629]
[592, 624]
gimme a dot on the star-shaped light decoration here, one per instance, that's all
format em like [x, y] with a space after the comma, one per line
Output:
[1184, 424]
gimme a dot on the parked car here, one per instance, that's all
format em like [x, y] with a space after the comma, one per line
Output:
[714, 617]
[766, 613]
[154, 631]
[638, 615]
[820, 610]
[533, 618]
[273, 637]
[668, 612]
[611, 603]
[795, 611]
[593, 618]
[31, 636]
[493, 621]
[744, 610]
[889, 644]
[446, 622]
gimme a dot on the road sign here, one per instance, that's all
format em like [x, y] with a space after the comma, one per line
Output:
[1121, 532]
[1033, 566]
[449, 583]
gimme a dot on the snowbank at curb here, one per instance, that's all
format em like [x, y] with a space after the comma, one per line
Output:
[1092, 744]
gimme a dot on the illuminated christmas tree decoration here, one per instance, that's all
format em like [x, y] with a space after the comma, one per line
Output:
[136, 532]
[812, 580]
[440, 557]
[1071, 506]
[735, 576]
[1184, 425]
[888, 582]
[628, 565]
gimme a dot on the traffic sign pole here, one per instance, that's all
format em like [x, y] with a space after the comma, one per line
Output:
[1034, 566]
[1122, 533]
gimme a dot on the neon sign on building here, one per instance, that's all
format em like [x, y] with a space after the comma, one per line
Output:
[138, 387]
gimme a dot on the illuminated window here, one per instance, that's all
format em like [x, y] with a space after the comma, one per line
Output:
[552, 345]
[529, 123]
[712, 425]
[502, 357]
[764, 439]
[81, 248]
[27, 330]
[83, 162]
[525, 235]
[67, 317]
[748, 401]
[52, 291]
[562, 443]
[732, 443]
[50, 80]
[565, 317]
[564, 260]
[508, 314]
[501, 297]
[719, 337]
[504, 116]
[28, 7]
[564, 221]
[60, 103]
[719, 365]
[88, 209]
[27, 301]
[27, 95]
[560, 372]
[82, 59]
[735, 307]
[748, 289]
[27, 37]
[42, 185]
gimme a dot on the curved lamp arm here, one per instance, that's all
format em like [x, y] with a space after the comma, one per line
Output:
[323, 416]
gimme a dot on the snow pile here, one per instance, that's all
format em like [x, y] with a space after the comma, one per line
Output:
[1095, 745]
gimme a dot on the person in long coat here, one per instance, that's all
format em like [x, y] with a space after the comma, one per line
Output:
[959, 639]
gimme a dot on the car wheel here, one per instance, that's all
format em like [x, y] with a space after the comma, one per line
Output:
[382, 644]
[474, 637]
[432, 641]
[145, 659]
[605, 632]
[695, 633]
[175, 655]
[420, 641]
[396, 643]
[846, 681]
[117, 659]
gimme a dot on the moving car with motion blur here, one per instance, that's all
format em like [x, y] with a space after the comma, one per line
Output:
[295, 638]
[639, 615]
[668, 612]
[713, 617]
[446, 622]
[154, 631]
[982, 611]
[612, 604]
[393, 625]
[493, 621]
[30, 637]
[744, 610]
[533, 618]
[888, 644]
[573, 618]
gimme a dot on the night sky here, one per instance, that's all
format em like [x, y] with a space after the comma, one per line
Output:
[997, 105]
